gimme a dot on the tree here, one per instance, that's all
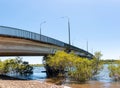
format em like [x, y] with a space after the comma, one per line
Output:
[25, 69]
[15, 65]
[1, 67]
[60, 62]
[78, 68]
[97, 63]
[98, 55]
[114, 69]
[82, 69]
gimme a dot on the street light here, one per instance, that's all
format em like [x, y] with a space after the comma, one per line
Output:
[40, 27]
[69, 35]
[87, 45]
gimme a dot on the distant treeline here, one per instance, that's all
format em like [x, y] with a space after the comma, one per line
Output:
[109, 61]
[37, 65]
[103, 61]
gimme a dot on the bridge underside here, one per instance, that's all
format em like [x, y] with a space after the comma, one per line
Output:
[10, 46]
[14, 53]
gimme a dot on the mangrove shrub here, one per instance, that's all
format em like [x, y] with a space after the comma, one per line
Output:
[77, 68]
[15, 65]
[114, 69]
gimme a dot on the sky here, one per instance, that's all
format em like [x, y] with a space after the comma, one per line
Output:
[30, 59]
[95, 21]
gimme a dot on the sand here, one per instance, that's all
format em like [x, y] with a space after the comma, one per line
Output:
[10, 82]
[26, 84]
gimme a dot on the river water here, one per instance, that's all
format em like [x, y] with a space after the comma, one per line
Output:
[37, 74]
[102, 80]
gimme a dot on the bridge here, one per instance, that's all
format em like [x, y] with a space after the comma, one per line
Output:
[18, 42]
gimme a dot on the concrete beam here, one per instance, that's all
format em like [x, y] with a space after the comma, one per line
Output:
[10, 46]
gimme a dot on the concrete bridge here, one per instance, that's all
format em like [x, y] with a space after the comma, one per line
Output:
[18, 42]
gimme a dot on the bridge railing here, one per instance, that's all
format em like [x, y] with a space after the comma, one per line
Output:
[14, 32]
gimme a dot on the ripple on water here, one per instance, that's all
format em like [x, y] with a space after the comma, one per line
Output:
[103, 76]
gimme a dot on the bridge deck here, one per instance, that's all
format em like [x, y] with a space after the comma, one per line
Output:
[23, 34]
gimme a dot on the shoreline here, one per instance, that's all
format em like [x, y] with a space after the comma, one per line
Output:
[12, 82]
[26, 84]
[6, 77]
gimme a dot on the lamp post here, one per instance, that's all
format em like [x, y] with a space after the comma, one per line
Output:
[69, 35]
[87, 45]
[40, 27]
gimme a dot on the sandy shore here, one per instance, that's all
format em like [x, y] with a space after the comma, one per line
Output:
[38, 84]
[26, 84]
[11, 82]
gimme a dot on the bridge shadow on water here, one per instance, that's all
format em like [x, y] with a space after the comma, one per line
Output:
[37, 75]
[5, 77]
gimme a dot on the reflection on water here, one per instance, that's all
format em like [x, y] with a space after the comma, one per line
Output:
[103, 76]
[37, 74]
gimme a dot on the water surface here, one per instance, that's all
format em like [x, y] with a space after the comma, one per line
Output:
[102, 80]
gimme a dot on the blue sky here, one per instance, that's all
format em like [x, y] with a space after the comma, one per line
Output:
[95, 21]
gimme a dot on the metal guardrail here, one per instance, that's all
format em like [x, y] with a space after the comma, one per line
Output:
[14, 32]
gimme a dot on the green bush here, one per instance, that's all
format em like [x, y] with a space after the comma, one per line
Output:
[82, 69]
[16, 66]
[78, 68]
[114, 70]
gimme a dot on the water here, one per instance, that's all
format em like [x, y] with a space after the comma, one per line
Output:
[37, 74]
[102, 80]
[103, 76]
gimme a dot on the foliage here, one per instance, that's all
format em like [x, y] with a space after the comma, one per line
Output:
[78, 68]
[114, 70]
[36, 65]
[109, 61]
[98, 55]
[97, 63]
[82, 69]
[16, 66]
[1, 67]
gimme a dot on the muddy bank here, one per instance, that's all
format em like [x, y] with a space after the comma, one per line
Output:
[96, 84]
[89, 84]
